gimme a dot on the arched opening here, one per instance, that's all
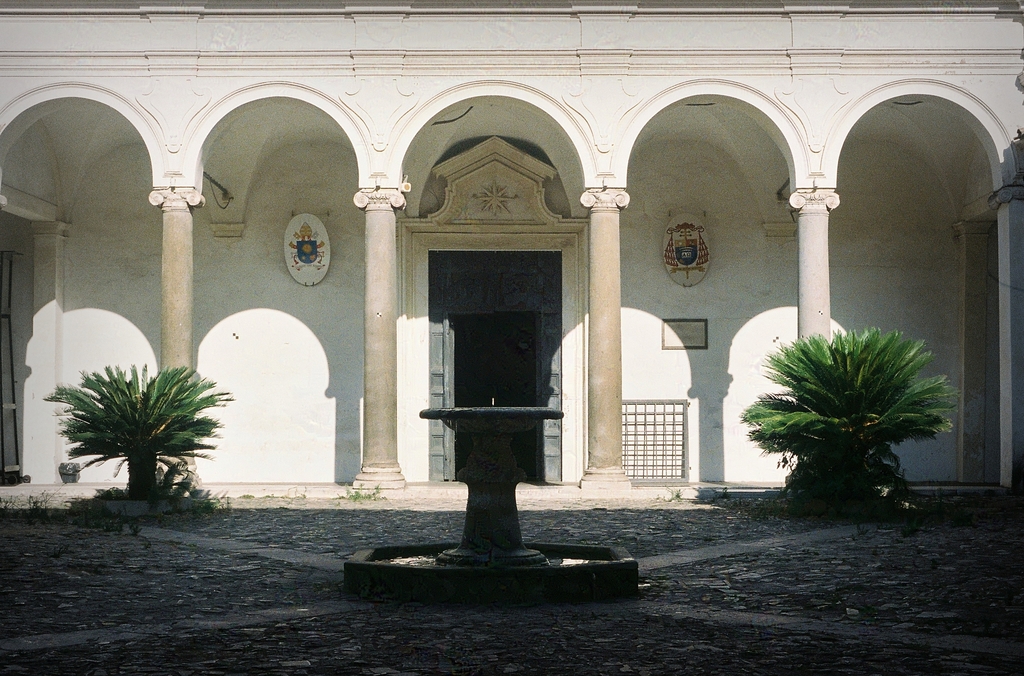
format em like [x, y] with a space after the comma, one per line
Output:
[265, 163]
[913, 248]
[87, 274]
[707, 162]
[492, 270]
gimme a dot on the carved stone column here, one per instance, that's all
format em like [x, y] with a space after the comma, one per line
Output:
[970, 457]
[44, 447]
[1009, 201]
[604, 343]
[176, 274]
[814, 305]
[380, 341]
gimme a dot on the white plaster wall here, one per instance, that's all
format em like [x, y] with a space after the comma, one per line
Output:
[281, 426]
[29, 165]
[290, 355]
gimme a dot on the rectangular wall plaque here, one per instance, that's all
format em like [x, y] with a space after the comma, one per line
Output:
[684, 334]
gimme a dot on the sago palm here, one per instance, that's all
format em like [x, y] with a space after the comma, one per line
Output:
[148, 423]
[846, 403]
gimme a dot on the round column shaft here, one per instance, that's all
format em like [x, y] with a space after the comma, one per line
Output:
[814, 311]
[604, 340]
[176, 274]
[380, 342]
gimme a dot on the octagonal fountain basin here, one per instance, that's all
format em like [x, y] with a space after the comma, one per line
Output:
[570, 573]
[492, 563]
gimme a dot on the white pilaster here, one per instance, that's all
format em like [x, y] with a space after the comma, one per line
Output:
[604, 343]
[1009, 201]
[972, 237]
[43, 447]
[814, 308]
[380, 341]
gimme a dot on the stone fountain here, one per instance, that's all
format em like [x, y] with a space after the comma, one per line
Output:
[492, 563]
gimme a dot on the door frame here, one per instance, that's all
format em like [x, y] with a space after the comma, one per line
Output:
[416, 238]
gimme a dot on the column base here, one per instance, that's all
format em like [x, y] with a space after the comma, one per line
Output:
[613, 480]
[384, 477]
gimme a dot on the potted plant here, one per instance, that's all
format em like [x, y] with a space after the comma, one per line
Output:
[69, 472]
[845, 404]
[151, 424]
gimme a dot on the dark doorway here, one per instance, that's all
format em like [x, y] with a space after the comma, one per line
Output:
[496, 365]
[495, 340]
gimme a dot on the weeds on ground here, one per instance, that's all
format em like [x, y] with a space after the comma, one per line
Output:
[358, 495]
[674, 495]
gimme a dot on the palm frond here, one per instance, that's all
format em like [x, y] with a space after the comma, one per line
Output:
[845, 403]
[144, 421]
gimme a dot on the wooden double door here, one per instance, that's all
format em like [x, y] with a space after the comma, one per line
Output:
[495, 340]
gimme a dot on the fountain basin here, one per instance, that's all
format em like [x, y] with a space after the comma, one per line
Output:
[574, 573]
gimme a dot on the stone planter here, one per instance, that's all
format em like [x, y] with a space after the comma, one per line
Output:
[144, 507]
[69, 472]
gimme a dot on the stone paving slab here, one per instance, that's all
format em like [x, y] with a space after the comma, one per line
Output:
[253, 590]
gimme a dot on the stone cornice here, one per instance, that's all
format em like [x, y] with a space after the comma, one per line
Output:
[269, 8]
[814, 200]
[605, 199]
[379, 199]
[174, 199]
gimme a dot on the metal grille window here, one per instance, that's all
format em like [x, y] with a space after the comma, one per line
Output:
[654, 439]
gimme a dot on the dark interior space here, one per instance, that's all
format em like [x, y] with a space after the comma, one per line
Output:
[496, 365]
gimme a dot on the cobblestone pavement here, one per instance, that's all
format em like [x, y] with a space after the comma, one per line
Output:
[725, 588]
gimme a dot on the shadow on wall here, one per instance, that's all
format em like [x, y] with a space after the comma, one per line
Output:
[758, 338]
[281, 426]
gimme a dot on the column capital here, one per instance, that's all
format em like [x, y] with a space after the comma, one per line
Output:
[379, 199]
[605, 199]
[814, 200]
[1006, 194]
[176, 199]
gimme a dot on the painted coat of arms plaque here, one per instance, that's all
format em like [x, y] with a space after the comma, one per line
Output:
[686, 252]
[307, 249]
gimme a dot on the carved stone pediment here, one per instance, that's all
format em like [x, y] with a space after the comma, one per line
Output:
[494, 183]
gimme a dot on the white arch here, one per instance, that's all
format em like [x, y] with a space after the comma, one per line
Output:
[788, 135]
[991, 132]
[13, 121]
[407, 130]
[354, 129]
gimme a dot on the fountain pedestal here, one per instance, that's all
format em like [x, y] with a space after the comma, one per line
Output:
[491, 535]
[492, 564]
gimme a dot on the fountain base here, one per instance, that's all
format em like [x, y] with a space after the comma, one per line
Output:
[573, 573]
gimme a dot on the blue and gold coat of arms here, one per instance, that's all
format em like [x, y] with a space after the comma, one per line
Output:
[306, 249]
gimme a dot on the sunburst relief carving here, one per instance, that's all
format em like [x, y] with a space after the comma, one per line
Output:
[494, 198]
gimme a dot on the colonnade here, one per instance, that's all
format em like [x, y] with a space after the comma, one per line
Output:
[603, 470]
